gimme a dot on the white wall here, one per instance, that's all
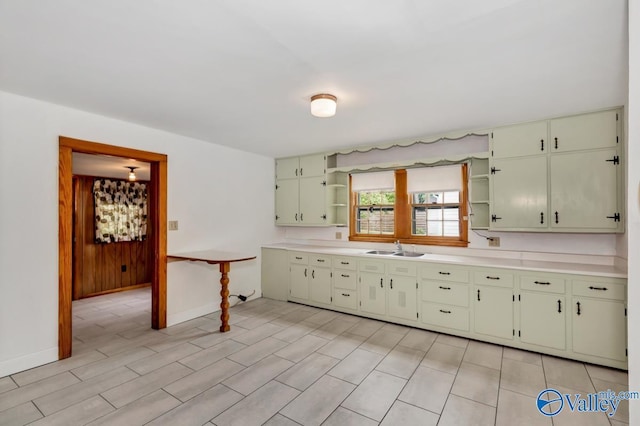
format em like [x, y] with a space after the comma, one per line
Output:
[211, 191]
[633, 207]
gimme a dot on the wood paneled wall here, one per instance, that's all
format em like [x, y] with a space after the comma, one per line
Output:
[98, 268]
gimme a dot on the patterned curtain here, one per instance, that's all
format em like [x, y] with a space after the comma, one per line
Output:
[120, 209]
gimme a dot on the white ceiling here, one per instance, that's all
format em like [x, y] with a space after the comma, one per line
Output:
[241, 72]
[108, 166]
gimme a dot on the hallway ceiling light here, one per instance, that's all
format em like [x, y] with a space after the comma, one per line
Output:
[132, 174]
[323, 105]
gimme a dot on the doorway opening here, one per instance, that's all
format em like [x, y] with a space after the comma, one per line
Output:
[157, 240]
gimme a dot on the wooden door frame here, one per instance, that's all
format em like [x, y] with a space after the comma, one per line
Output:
[158, 239]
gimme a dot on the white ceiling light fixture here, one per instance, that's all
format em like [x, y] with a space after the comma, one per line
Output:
[323, 105]
[132, 174]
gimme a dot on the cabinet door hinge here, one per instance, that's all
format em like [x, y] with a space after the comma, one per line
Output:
[616, 116]
[513, 298]
[417, 316]
[519, 300]
[494, 170]
[277, 186]
[615, 217]
[625, 312]
[615, 160]
[324, 183]
[495, 218]
[514, 331]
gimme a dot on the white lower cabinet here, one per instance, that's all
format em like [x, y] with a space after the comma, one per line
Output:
[575, 316]
[299, 276]
[345, 294]
[493, 303]
[371, 287]
[599, 320]
[320, 279]
[543, 311]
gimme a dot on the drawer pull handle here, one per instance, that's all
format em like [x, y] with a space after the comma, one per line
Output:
[597, 288]
[542, 282]
[344, 275]
[444, 273]
[578, 305]
[489, 277]
[298, 258]
[313, 274]
[305, 272]
[478, 295]
[444, 288]
[346, 294]
[344, 263]
[320, 260]
[559, 306]
[445, 312]
[380, 282]
[391, 283]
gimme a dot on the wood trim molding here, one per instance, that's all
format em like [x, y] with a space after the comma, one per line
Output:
[65, 223]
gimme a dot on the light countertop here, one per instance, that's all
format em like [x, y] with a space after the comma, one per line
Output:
[610, 271]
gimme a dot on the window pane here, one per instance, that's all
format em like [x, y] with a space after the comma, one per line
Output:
[434, 228]
[451, 213]
[419, 221]
[434, 213]
[451, 229]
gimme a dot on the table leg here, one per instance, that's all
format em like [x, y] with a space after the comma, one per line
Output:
[224, 296]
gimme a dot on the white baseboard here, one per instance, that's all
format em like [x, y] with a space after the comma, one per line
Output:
[25, 362]
[174, 319]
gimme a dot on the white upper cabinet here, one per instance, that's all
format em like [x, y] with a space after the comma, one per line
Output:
[586, 131]
[287, 206]
[583, 191]
[313, 204]
[520, 193]
[287, 168]
[313, 165]
[569, 182]
[519, 140]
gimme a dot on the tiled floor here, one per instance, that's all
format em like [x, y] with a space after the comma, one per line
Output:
[287, 364]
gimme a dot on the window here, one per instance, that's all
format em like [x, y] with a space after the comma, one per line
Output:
[120, 210]
[420, 206]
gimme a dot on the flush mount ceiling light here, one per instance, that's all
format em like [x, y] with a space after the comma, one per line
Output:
[132, 174]
[323, 105]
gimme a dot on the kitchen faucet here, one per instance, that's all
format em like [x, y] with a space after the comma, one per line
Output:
[398, 245]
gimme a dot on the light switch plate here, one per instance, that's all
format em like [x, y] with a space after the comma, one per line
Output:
[173, 225]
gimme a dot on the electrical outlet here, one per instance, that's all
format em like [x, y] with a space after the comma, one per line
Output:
[338, 235]
[123, 268]
[173, 225]
[494, 241]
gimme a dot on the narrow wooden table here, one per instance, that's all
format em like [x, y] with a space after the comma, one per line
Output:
[224, 259]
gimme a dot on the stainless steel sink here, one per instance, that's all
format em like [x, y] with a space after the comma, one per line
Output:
[408, 254]
[380, 252]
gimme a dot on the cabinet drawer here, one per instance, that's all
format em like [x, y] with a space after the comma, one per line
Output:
[345, 263]
[447, 293]
[344, 279]
[319, 260]
[496, 278]
[599, 289]
[406, 269]
[302, 258]
[542, 283]
[444, 273]
[445, 316]
[371, 266]
[345, 298]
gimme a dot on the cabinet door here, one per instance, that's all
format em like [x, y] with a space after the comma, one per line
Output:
[519, 193]
[543, 320]
[287, 202]
[493, 311]
[519, 140]
[372, 293]
[320, 285]
[403, 297]
[313, 165]
[599, 328]
[299, 281]
[313, 203]
[586, 131]
[287, 168]
[584, 190]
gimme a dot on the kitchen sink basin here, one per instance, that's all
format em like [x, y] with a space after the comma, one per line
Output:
[380, 252]
[408, 254]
